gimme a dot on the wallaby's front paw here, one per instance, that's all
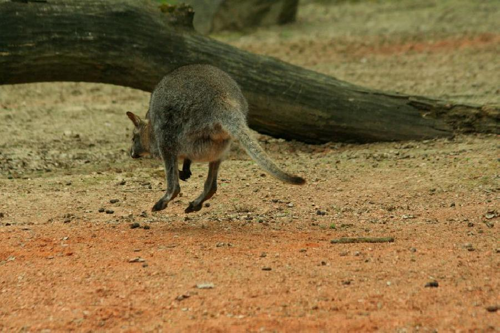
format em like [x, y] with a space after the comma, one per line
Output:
[193, 208]
[184, 175]
[160, 205]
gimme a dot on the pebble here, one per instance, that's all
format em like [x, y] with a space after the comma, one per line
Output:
[432, 284]
[493, 308]
[207, 204]
[266, 268]
[182, 297]
[469, 247]
[302, 250]
[263, 255]
[114, 201]
[143, 214]
[2, 215]
[205, 286]
[101, 210]
[109, 211]
[320, 213]
[135, 225]
[138, 259]
[146, 227]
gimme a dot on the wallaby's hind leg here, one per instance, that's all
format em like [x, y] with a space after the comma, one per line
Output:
[209, 189]
[172, 175]
[185, 173]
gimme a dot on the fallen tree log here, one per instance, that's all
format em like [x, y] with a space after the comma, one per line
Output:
[133, 43]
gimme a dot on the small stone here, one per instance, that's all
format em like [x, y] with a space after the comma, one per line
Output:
[432, 284]
[263, 255]
[412, 249]
[146, 227]
[469, 247]
[109, 211]
[135, 225]
[114, 201]
[182, 297]
[323, 263]
[346, 282]
[220, 244]
[67, 220]
[320, 213]
[207, 204]
[491, 214]
[266, 268]
[2, 215]
[452, 204]
[101, 210]
[144, 214]
[493, 308]
[290, 204]
[205, 286]
[123, 182]
[138, 259]
[344, 253]
[68, 183]
[470, 224]
[302, 250]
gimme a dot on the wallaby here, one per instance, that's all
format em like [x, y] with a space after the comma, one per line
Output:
[194, 112]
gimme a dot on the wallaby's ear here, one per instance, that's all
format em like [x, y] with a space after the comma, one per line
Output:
[135, 119]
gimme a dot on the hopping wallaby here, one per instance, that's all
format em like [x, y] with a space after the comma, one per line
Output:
[194, 113]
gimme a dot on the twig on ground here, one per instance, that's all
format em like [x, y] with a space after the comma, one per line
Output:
[345, 240]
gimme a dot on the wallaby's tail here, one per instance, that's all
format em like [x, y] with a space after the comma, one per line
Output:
[239, 130]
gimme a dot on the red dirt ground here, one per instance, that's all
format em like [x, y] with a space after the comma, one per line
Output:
[261, 247]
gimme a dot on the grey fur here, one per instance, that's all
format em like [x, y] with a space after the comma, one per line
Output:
[194, 113]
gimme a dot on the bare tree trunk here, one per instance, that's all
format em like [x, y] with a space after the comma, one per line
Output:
[133, 43]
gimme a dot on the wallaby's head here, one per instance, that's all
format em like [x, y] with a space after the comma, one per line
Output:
[140, 137]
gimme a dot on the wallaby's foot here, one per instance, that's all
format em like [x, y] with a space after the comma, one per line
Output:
[184, 175]
[160, 205]
[163, 202]
[193, 207]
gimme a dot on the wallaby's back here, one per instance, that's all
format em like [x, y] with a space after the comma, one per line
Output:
[202, 100]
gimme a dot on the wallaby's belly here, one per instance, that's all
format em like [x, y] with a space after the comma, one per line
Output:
[206, 150]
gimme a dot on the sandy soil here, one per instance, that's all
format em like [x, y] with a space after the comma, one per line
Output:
[259, 257]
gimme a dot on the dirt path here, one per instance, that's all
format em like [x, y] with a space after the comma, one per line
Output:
[259, 258]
